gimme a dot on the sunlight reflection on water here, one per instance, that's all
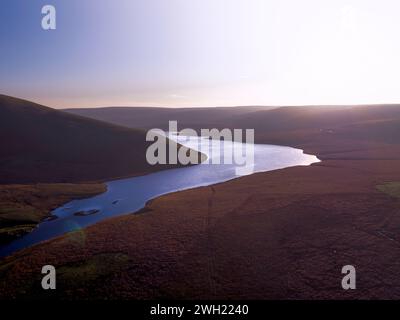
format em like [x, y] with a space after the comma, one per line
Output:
[127, 196]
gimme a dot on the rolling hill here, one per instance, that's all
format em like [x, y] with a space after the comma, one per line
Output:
[284, 234]
[262, 119]
[150, 117]
[40, 144]
[331, 128]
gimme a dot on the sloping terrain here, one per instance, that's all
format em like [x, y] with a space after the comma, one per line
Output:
[329, 128]
[284, 234]
[40, 144]
[22, 207]
[148, 118]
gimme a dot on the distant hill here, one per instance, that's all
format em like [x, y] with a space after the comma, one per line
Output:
[309, 117]
[313, 128]
[150, 117]
[40, 144]
[263, 119]
[296, 125]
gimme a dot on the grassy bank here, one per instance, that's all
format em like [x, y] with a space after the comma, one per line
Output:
[22, 207]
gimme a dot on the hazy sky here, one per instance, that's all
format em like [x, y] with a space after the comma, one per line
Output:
[201, 52]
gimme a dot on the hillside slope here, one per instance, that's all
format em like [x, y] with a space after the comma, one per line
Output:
[149, 117]
[332, 129]
[284, 234]
[281, 124]
[40, 144]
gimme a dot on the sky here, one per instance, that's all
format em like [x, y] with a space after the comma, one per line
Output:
[191, 53]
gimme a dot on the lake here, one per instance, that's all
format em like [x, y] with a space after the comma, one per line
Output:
[129, 195]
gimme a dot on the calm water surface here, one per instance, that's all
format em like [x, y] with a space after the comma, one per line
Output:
[127, 196]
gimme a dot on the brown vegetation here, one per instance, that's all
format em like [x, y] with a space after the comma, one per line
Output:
[22, 207]
[277, 235]
[40, 144]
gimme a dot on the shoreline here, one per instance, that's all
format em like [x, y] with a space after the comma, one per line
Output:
[145, 206]
[24, 206]
[289, 223]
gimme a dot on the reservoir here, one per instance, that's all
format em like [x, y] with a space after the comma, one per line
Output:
[127, 196]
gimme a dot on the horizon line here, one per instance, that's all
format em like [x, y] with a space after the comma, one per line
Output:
[36, 101]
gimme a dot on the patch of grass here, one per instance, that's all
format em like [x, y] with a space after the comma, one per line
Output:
[24, 206]
[68, 189]
[77, 275]
[390, 188]
[5, 267]
[19, 213]
[10, 233]
[99, 266]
